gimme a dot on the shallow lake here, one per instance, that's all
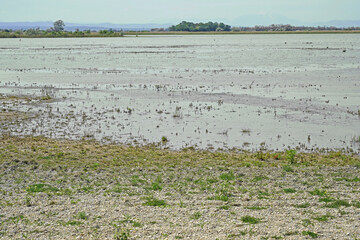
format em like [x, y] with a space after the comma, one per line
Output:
[208, 91]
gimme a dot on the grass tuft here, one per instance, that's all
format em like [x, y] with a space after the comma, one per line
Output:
[250, 220]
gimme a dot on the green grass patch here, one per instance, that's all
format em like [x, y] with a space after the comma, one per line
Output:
[227, 176]
[73, 223]
[302, 205]
[323, 218]
[250, 220]
[326, 199]
[306, 223]
[288, 168]
[256, 208]
[338, 204]
[196, 216]
[259, 178]
[35, 188]
[154, 202]
[355, 179]
[82, 215]
[310, 234]
[156, 186]
[318, 192]
[225, 207]
[289, 190]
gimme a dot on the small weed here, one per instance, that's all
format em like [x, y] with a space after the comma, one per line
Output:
[355, 179]
[123, 234]
[156, 186]
[311, 234]
[73, 223]
[323, 218]
[302, 205]
[137, 224]
[256, 208]
[117, 189]
[82, 215]
[307, 222]
[263, 195]
[338, 204]
[259, 178]
[289, 190]
[250, 220]
[290, 156]
[196, 216]
[225, 207]
[326, 199]
[227, 176]
[182, 204]
[164, 139]
[291, 233]
[223, 196]
[151, 201]
[318, 192]
[45, 98]
[28, 201]
[356, 204]
[41, 188]
[136, 180]
[75, 201]
[211, 180]
[287, 168]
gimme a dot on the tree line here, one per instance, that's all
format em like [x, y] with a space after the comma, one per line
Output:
[200, 27]
[58, 30]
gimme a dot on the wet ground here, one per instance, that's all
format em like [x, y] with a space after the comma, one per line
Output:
[251, 92]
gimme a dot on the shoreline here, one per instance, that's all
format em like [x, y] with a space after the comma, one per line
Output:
[184, 33]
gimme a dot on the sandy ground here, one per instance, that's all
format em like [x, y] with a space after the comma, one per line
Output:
[199, 203]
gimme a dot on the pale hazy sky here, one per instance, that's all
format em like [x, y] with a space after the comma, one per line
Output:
[170, 11]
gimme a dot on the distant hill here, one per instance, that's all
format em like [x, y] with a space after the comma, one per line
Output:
[81, 26]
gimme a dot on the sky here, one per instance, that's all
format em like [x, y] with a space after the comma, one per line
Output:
[173, 11]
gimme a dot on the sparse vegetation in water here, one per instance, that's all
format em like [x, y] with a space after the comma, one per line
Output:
[164, 139]
[45, 98]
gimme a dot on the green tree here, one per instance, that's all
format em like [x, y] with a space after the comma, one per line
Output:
[59, 26]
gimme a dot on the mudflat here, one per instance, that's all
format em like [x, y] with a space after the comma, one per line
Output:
[252, 92]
